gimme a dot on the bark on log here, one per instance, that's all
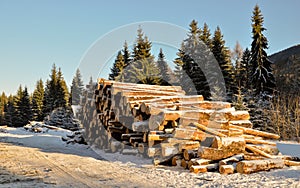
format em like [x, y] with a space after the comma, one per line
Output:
[188, 145]
[253, 156]
[176, 160]
[256, 132]
[231, 160]
[218, 154]
[155, 137]
[184, 164]
[189, 134]
[272, 150]
[209, 130]
[198, 161]
[127, 136]
[247, 167]
[168, 150]
[142, 148]
[258, 151]
[140, 126]
[225, 142]
[155, 121]
[237, 115]
[204, 168]
[152, 152]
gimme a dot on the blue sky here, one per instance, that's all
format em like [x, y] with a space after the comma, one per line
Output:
[35, 34]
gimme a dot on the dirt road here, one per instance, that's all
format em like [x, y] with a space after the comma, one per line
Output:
[43, 160]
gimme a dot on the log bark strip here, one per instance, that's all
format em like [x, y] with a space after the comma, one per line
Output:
[247, 167]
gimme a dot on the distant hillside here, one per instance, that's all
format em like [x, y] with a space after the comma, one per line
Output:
[287, 69]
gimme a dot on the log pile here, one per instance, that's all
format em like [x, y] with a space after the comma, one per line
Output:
[176, 129]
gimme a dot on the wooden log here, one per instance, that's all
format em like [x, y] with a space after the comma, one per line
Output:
[258, 151]
[253, 156]
[218, 154]
[291, 163]
[168, 150]
[152, 152]
[225, 142]
[159, 137]
[198, 161]
[142, 148]
[209, 130]
[272, 150]
[204, 168]
[231, 160]
[189, 134]
[257, 133]
[242, 123]
[247, 167]
[237, 115]
[227, 169]
[152, 143]
[140, 126]
[188, 145]
[184, 164]
[189, 154]
[115, 146]
[150, 92]
[132, 140]
[155, 121]
[176, 160]
[117, 129]
[186, 121]
[127, 136]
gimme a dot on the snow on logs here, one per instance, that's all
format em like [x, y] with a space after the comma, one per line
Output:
[176, 129]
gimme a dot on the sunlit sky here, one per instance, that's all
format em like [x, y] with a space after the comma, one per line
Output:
[35, 34]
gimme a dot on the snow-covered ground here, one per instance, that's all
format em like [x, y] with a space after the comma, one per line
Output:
[43, 160]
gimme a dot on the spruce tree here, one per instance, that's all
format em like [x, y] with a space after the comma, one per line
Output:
[192, 59]
[126, 54]
[121, 76]
[22, 108]
[262, 76]
[142, 68]
[76, 88]
[50, 92]
[37, 101]
[3, 103]
[222, 55]
[205, 36]
[178, 72]
[10, 112]
[26, 108]
[163, 68]
[245, 72]
[56, 92]
[62, 93]
[118, 66]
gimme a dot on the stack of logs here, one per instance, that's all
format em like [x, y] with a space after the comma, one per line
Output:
[176, 129]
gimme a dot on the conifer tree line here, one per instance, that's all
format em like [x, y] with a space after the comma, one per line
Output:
[245, 72]
[17, 110]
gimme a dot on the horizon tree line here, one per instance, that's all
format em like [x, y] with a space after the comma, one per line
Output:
[17, 110]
